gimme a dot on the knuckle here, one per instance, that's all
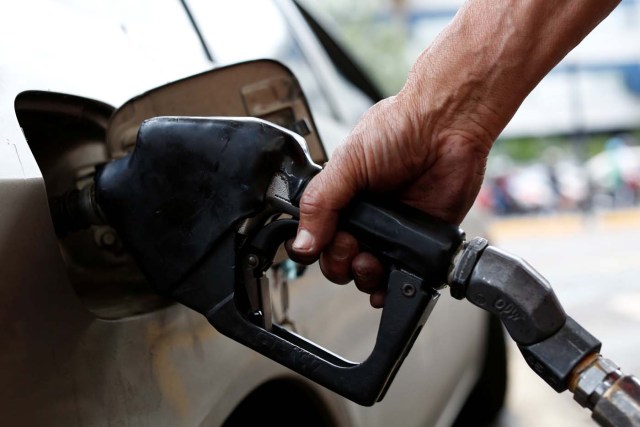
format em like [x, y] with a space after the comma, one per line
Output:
[311, 201]
[343, 248]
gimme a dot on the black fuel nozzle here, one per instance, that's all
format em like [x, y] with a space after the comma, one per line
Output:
[199, 204]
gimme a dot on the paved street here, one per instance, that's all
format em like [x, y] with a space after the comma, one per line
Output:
[593, 265]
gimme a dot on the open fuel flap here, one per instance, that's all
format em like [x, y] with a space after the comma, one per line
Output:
[264, 88]
[70, 136]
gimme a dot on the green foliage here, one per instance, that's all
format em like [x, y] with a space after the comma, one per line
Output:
[381, 52]
[522, 149]
[375, 35]
[530, 149]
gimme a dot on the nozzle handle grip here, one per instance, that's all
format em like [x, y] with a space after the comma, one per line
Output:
[405, 238]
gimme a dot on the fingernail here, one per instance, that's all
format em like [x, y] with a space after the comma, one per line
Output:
[303, 242]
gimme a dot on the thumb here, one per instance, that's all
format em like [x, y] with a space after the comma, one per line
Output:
[326, 194]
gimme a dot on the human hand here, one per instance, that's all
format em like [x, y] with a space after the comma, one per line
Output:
[427, 146]
[393, 154]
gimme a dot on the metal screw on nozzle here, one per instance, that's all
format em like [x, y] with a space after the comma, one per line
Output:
[108, 239]
[408, 290]
[252, 261]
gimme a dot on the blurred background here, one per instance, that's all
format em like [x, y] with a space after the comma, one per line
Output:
[572, 146]
[563, 181]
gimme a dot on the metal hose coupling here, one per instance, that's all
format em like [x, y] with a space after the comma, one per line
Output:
[613, 397]
[75, 210]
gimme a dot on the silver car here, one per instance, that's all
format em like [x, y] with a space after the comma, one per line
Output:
[86, 340]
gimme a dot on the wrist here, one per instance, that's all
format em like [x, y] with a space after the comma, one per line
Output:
[448, 102]
[474, 76]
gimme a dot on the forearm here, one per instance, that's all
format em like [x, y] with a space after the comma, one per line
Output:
[427, 146]
[478, 71]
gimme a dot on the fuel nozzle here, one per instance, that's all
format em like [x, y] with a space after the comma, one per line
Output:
[75, 210]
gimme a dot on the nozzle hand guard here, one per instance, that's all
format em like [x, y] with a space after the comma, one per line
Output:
[199, 203]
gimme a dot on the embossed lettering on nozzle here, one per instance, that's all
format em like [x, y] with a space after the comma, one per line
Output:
[551, 342]
[509, 287]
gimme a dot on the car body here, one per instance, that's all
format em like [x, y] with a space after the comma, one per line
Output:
[65, 66]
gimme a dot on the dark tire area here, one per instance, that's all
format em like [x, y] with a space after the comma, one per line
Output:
[281, 403]
[488, 395]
